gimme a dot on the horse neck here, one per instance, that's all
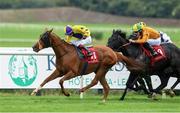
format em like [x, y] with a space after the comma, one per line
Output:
[59, 46]
[131, 50]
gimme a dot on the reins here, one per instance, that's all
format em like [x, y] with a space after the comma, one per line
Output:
[60, 43]
[124, 45]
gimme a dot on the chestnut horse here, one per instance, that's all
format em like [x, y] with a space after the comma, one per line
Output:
[68, 64]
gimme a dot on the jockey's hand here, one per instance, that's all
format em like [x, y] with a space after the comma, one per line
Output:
[133, 36]
[83, 37]
[133, 41]
[80, 46]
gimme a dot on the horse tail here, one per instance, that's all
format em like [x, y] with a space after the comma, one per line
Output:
[130, 63]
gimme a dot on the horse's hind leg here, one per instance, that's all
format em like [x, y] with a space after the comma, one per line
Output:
[53, 76]
[171, 92]
[100, 73]
[149, 83]
[93, 83]
[105, 87]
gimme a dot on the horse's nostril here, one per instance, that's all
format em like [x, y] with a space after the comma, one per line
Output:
[35, 49]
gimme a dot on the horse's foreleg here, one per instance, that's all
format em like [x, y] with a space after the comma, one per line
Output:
[67, 76]
[124, 94]
[149, 83]
[53, 76]
[105, 87]
[171, 92]
[130, 83]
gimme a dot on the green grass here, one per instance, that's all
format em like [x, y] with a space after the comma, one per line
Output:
[90, 103]
[28, 33]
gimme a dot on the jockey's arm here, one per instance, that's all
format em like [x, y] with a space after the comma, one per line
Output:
[68, 39]
[86, 33]
[142, 39]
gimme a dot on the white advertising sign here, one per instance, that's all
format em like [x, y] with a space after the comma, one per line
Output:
[22, 68]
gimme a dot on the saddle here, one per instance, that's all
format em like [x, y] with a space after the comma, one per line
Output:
[161, 54]
[83, 55]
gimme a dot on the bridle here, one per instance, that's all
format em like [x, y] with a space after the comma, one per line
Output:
[48, 43]
[124, 45]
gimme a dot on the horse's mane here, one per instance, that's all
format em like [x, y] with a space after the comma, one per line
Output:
[120, 32]
[116, 35]
[115, 41]
[61, 39]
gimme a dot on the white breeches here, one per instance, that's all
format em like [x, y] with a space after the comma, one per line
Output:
[85, 42]
[163, 39]
[154, 41]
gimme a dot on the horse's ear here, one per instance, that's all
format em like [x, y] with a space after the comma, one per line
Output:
[50, 30]
[46, 29]
[113, 31]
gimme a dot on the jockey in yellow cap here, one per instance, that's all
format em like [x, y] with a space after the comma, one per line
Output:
[79, 36]
[148, 36]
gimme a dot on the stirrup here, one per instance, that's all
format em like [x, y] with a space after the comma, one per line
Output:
[154, 54]
[89, 54]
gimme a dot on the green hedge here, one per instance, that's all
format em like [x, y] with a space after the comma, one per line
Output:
[97, 35]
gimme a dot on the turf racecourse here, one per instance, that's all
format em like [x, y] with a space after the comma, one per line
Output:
[90, 103]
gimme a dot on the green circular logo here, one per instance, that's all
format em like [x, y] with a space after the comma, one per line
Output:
[22, 69]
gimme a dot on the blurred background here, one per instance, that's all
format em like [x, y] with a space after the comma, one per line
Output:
[22, 21]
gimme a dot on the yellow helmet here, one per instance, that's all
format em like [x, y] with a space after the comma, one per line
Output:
[138, 27]
[142, 24]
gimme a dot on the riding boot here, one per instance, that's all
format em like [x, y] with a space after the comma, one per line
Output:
[153, 52]
[88, 51]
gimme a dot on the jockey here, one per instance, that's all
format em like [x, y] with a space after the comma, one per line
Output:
[148, 36]
[79, 36]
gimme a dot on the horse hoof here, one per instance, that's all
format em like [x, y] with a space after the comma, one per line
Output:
[67, 94]
[163, 95]
[33, 93]
[149, 96]
[171, 94]
[121, 99]
[81, 90]
[154, 96]
[103, 101]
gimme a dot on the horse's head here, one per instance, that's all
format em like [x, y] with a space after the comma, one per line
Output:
[117, 39]
[43, 42]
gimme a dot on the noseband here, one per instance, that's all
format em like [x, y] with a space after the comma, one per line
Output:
[124, 45]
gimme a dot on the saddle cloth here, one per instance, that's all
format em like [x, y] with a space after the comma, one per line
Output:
[83, 55]
[161, 54]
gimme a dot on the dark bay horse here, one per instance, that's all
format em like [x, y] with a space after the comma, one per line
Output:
[68, 64]
[164, 69]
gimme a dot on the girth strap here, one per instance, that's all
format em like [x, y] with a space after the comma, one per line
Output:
[85, 65]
